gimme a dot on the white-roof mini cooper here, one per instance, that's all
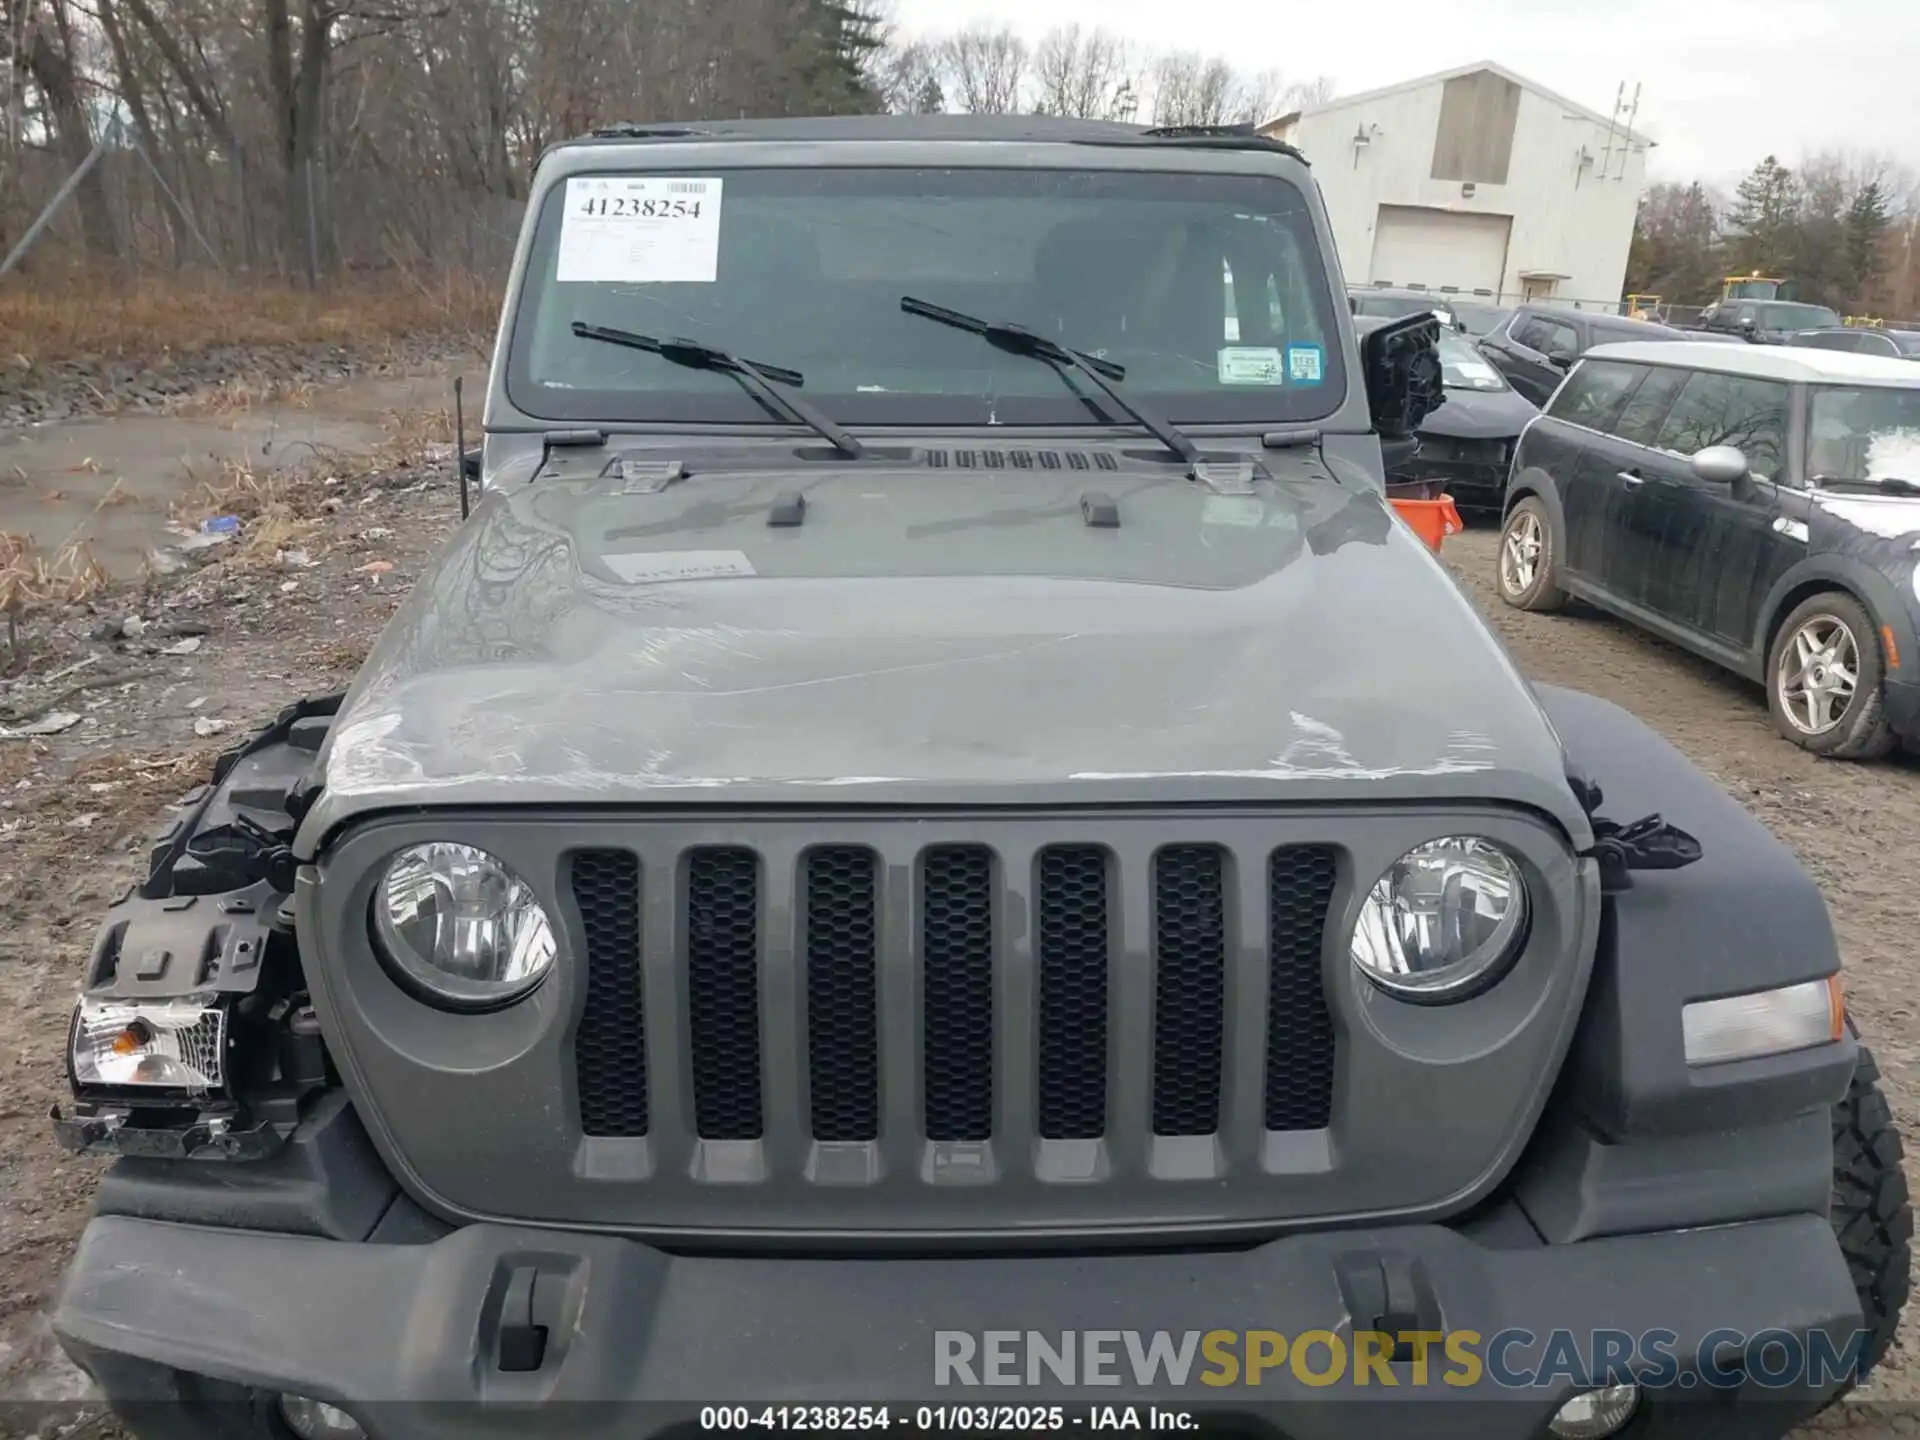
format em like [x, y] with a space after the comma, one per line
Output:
[1760, 507]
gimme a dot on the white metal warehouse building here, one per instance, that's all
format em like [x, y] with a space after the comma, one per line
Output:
[1476, 180]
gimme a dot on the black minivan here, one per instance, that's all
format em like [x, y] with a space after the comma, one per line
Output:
[1759, 506]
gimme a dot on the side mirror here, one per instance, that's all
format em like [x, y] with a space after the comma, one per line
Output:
[1560, 359]
[1400, 361]
[1720, 465]
[470, 464]
[1748, 324]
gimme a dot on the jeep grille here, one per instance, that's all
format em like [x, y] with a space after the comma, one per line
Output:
[962, 904]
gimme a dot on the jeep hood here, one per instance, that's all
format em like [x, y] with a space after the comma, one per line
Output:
[936, 636]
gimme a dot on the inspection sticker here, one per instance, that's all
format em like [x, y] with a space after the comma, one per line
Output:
[640, 229]
[1305, 364]
[1250, 365]
[645, 567]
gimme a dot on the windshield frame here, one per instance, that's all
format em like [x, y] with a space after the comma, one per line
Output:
[1815, 391]
[1066, 405]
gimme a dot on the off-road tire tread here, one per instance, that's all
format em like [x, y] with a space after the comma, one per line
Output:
[1872, 1210]
[155, 1402]
[1543, 597]
[1867, 735]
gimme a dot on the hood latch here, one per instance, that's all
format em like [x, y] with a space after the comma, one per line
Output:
[1649, 843]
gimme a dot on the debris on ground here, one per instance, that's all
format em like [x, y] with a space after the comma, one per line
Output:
[55, 723]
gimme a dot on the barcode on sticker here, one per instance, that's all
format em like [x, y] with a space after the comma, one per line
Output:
[687, 187]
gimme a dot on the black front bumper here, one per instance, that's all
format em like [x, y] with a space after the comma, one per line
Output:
[409, 1337]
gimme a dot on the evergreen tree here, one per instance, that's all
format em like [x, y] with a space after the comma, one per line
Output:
[1868, 217]
[1763, 221]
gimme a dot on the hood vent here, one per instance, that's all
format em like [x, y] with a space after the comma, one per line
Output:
[1021, 460]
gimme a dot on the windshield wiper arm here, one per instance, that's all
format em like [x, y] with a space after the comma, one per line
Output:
[1018, 340]
[1890, 484]
[755, 376]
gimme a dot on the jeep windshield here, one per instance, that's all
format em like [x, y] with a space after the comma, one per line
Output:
[1207, 288]
[1864, 435]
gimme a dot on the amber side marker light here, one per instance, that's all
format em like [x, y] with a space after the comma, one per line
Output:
[1893, 650]
[1765, 1022]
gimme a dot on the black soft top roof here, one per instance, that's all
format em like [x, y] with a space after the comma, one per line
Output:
[987, 128]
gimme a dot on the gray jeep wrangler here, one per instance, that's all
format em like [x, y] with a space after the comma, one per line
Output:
[932, 852]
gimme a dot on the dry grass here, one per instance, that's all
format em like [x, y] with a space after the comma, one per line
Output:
[275, 510]
[237, 398]
[29, 578]
[55, 317]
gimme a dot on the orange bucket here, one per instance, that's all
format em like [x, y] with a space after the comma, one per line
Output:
[1432, 520]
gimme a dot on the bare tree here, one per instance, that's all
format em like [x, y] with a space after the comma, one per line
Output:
[906, 76]
[987, 68]
[49, 51]
[1086, 74]
[1304, 95]
[1191, 89]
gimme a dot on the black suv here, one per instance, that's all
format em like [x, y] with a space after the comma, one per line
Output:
[1861, 340]
[1766, 322]
[1759, 508]
[1535, 348]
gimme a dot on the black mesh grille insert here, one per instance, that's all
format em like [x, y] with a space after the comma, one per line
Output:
[1071, 933]
[610, 1048]
[956, 908]
[1299, 1029]
[1189, 988]
[843, 1056]
[723, 991]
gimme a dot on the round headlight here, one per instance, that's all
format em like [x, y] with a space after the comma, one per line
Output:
[459, 926]
[1443, 922]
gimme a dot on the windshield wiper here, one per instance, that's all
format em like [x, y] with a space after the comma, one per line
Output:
[1018, 340]
[1891, 484]
[757, 377]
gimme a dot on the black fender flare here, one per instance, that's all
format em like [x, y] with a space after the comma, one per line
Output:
[1746, 916]
[1830, 571]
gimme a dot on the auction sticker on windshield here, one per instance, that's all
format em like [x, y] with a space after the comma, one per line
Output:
[1304, 364]
[638, 230]
[1249, 365]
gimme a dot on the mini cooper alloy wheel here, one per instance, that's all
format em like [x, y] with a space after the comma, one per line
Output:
[1819, 674]
[1522, 549]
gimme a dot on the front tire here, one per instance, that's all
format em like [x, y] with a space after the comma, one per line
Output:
[1527, 565]
[1872, 1211]
[156, 1402]
[1823, 680]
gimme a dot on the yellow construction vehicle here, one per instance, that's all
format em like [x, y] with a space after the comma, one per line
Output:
[1643, 307]
[1755, 287]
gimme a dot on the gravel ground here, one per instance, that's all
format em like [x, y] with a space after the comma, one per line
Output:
[75, 810]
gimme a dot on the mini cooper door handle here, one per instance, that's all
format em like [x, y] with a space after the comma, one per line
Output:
[1632, 477]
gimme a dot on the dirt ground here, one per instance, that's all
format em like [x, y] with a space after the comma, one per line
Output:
[76, 808]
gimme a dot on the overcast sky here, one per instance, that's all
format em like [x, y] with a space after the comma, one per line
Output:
[1723, 82]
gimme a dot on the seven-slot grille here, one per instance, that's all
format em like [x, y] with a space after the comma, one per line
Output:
[959, 906]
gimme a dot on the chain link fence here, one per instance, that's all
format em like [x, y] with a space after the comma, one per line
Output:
[242, 214]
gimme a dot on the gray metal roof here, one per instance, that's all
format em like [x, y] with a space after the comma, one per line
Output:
[983, 128]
